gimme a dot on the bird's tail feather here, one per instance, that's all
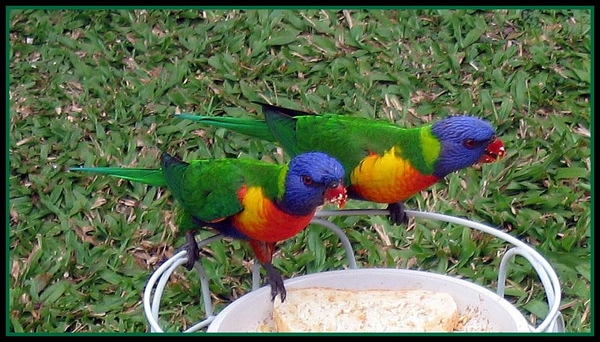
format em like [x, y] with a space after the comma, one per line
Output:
[153, 177]
[251, 127]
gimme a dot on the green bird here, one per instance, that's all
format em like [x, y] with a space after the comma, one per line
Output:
[384, 163]
[259, 202]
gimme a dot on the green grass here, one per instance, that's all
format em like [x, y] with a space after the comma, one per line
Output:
[99, 88]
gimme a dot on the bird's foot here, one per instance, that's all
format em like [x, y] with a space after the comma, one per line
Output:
[191, 247]
[397, 213]
[275, 281]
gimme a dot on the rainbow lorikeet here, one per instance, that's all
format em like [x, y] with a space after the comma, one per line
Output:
[384, 163]
[256, 201]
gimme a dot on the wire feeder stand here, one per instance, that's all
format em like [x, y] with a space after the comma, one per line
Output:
[553, 322]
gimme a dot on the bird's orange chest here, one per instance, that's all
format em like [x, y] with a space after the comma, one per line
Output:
[262, 220]
[387, 178]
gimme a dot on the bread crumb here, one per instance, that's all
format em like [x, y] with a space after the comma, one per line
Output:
[471, 320]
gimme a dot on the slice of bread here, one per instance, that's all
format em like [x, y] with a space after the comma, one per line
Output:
[322, 309]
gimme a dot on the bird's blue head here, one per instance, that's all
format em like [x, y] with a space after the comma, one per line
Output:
[465, 140]
[312, 179]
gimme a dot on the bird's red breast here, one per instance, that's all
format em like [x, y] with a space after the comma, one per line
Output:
[387, 178]
[262, 220]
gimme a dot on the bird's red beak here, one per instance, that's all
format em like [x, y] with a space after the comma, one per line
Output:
[336, 194]
[494, 151]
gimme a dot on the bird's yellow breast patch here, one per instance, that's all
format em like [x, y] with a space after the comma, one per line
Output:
[387, 178]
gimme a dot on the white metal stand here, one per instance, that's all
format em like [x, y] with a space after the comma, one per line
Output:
[553, 322]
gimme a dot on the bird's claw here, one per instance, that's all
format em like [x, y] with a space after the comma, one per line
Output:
[276, 282]
[191, 247]
[397, 213]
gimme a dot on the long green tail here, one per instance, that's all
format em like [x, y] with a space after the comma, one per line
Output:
[147, 176]
[254, 128]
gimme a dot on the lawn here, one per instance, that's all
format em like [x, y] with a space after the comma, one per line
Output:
[100, 87]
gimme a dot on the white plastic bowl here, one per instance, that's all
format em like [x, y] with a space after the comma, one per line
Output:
[493, 311]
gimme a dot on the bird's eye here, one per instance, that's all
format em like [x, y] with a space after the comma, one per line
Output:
[470, 143]
[307, 180]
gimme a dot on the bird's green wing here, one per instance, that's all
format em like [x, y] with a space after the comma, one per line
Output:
[350, 139]
[347, 138]
[210, 189]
